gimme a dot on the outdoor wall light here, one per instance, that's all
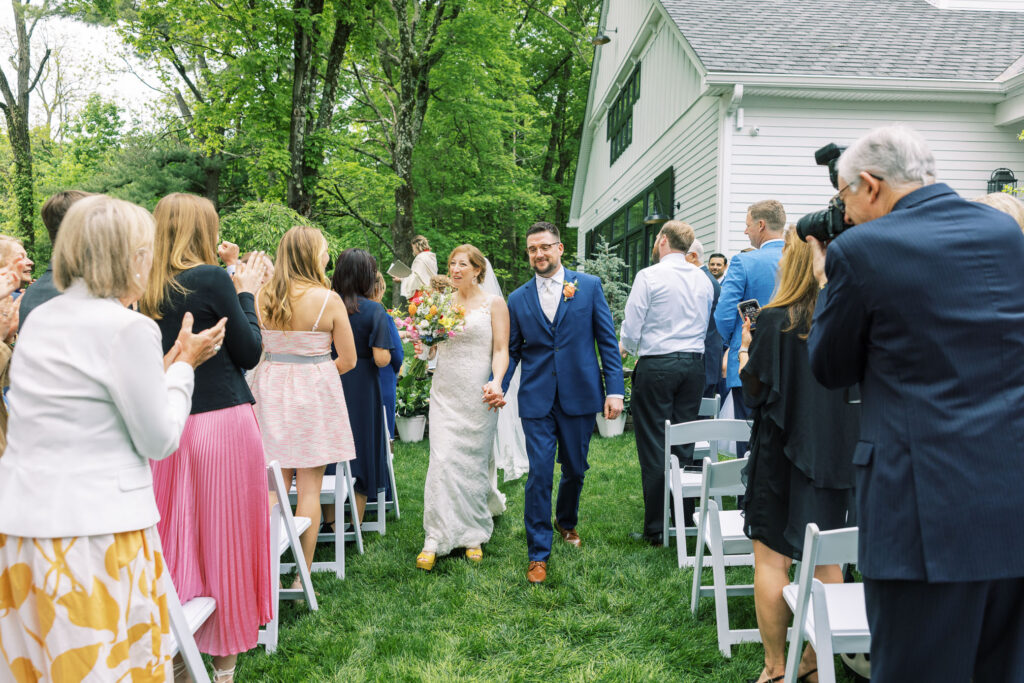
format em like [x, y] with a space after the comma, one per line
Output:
[1000, 179]
[602, 38]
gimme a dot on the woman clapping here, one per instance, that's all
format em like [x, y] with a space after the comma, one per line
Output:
[212, 493]
[93, 399]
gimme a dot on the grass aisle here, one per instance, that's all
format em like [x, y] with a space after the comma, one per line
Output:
[614, 610]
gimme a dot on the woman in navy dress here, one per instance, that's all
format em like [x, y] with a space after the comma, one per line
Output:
[355, 278]
[389, 373]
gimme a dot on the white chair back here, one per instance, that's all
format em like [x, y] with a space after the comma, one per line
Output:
[708, 407]
[811, 598]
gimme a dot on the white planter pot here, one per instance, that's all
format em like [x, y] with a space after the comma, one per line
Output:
[411, 428]
[607, 428]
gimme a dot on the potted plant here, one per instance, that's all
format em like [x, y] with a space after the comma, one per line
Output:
[412, 400]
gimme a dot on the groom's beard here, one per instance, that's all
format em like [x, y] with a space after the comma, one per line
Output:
[551, 268]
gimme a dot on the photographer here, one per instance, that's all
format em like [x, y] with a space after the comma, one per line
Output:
[936, 348]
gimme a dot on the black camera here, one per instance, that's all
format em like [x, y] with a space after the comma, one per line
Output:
[826, 225]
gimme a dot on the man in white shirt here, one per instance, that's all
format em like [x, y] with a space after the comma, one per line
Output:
[424, 267]
[665, 323]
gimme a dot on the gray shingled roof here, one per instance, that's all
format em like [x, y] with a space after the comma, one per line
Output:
[876, 38]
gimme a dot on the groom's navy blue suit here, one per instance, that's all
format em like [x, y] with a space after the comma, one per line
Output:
[561, 390]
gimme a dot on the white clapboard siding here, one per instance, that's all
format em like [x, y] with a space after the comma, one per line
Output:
[778, 162]
[990, 5]
[669, 86]
[627, 18]
[690, 148]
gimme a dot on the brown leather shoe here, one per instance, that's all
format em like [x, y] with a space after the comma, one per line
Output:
[569, 536]
[537, 572]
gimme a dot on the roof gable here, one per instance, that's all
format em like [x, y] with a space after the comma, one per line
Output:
[869, 38]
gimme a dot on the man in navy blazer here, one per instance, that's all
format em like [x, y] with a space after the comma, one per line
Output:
[556, 320]
[922, 302]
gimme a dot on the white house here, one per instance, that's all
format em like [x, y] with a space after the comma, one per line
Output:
[698, 108]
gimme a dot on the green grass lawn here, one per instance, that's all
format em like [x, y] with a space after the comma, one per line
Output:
[615, 610]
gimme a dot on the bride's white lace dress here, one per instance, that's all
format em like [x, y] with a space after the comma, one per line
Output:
[455, 497]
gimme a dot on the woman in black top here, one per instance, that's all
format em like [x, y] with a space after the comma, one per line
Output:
[801, 450]
[212, 492]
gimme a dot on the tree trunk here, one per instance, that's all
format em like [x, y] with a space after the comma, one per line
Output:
[24, 190]
[15, 109]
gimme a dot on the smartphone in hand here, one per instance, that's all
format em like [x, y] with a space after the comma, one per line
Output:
[749, 309]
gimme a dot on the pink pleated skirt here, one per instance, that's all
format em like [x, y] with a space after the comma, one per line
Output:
[215, 525]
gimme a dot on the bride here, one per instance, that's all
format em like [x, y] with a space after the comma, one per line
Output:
[462, 426]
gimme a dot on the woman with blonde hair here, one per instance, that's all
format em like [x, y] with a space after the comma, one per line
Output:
[212, 493]
[300, 405]
[94, 399]
[801, 450]
[1006, 203]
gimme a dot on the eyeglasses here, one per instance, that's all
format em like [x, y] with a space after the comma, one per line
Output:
[839, 195]
[542, 248]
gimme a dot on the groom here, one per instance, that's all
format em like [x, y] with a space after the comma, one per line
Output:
[556, 318]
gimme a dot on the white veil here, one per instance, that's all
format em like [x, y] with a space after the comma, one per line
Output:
[509, 451]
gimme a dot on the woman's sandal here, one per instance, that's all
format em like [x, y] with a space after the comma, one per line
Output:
[769, 680]
[425, 561]
[474, 554]
[223, 675]
[804, 676]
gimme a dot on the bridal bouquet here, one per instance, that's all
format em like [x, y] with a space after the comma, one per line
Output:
[431, 317]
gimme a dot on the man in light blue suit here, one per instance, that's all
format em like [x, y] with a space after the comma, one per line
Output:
[557, 320]
[921, 302]
[750, 276]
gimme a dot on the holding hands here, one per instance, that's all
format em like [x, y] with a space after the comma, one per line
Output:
[494, 397]
[195, 348]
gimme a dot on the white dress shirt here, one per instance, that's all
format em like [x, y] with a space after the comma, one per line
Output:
[90, 405]
[549, 289]
[668, 308]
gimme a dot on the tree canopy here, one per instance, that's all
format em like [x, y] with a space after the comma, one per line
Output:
[373, 119]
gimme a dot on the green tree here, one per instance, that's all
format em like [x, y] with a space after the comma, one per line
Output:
[15, 107]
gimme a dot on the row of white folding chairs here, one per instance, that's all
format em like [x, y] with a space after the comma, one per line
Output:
[832, 617]
[708, 438]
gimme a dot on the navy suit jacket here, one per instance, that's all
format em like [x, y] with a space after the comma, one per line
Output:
[560, 356]
[750, 276]
[925, 307]
[713, 350]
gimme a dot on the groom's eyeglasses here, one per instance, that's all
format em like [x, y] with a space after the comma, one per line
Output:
[542, 248]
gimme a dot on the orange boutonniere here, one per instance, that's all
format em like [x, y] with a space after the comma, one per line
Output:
[569, 290]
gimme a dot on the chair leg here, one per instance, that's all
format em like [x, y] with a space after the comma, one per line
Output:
[356, 525]
[698, 563]
[665, 526]
[677, 506]
[394, 486]
[718, 572]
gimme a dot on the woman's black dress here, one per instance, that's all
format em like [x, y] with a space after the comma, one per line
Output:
[802, 442]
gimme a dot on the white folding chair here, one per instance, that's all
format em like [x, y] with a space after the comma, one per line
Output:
[336, 489]
[708, 409]
[680, 484]
[832, 617]
[392, 502]
[722, 532]
[185, 621]
[284, 534]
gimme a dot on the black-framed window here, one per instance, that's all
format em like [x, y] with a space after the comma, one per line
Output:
[620, 115]
[625, 231]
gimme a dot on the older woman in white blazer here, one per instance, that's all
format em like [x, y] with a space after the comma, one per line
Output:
[92, 400]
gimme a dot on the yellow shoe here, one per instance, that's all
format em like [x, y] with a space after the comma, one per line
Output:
[425, 561]
[474, 554]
